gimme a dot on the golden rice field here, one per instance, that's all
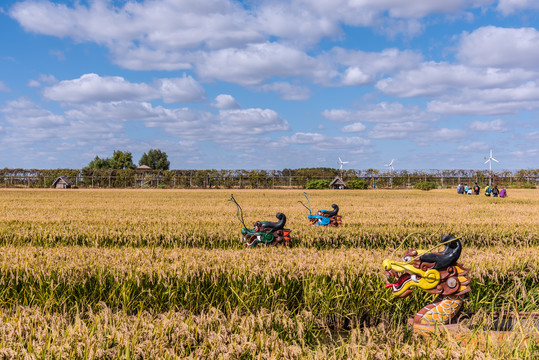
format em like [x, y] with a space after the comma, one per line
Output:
[161, 274]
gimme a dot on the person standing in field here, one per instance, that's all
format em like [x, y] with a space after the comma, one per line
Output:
[476, 189]
[503, 193]
[466, 188]
[487, 191]
[495, 191]
[460, 189]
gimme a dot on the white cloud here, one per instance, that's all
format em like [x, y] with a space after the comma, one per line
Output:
[320, 142]
[288, 91]
[354, 76]
[381, 112]
[42, 79]
[508, 7]
[397, 130]
[180, 90]
[305, 138]
[500, 47]
[355, 127]
[25, 113]
[432, 79]
[225, 101]
[255, 63]
[475, 146]
[526, 154]
[445, 134]
[250, 121]
[489, 102]
[92, 87]
[497, 125]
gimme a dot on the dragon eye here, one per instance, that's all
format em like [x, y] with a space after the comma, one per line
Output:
[407, 258]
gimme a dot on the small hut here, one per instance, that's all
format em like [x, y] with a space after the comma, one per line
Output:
[337, 183]
[62, 182]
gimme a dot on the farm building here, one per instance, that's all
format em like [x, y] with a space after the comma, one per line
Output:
[146, 176]
[62, 182]
[337, 183]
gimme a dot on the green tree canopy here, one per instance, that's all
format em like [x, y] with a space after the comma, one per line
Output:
[98, 163]
[122, 160]
[156, 159]
[119, 160]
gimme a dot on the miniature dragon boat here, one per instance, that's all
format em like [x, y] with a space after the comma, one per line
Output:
[323, 217]
[440, 273]
[264, 232]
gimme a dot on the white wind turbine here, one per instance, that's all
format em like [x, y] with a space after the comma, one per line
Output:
[489, 161]
[391, 169]
[390, 165]
[341, 163]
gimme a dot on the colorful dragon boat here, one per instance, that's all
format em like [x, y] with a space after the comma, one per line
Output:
[264, 232]
[440, 273]
[323, 217]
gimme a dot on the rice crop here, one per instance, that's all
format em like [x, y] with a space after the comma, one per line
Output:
[161, 274]
[184, 218]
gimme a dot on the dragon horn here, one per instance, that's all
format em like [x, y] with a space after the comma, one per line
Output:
[448, 257]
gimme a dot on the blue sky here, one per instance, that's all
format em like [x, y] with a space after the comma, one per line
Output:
[271, 84]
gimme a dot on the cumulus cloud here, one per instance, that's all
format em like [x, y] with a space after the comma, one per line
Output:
[489, 102]
[251, 121]
[492, 46]
[355, 127]
[381, 112]
[396, 130]
[497, 125]
[225, 101]
[288, 91]
[25, 113]
[255, 63]
[433, 79]
[474, 146]
[92, 87]
[180, 90]
[319, 141]
[508, 7]
[234, 42]
[445, 134]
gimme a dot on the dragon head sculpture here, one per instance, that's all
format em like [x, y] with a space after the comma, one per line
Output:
[434, 272]
[264, 232]
[323, 217]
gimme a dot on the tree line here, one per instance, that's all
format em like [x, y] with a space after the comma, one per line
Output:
[128, 177]
[154, 158]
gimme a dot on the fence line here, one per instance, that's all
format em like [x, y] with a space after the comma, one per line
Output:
[288, 178]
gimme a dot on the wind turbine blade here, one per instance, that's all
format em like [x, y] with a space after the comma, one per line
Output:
[487, 161]
[495, 160]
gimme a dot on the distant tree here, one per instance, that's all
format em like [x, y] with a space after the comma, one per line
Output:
[98, 163]
[156, 159]
[122, 160]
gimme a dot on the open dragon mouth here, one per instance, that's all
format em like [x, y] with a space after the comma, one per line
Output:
[402, 280]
